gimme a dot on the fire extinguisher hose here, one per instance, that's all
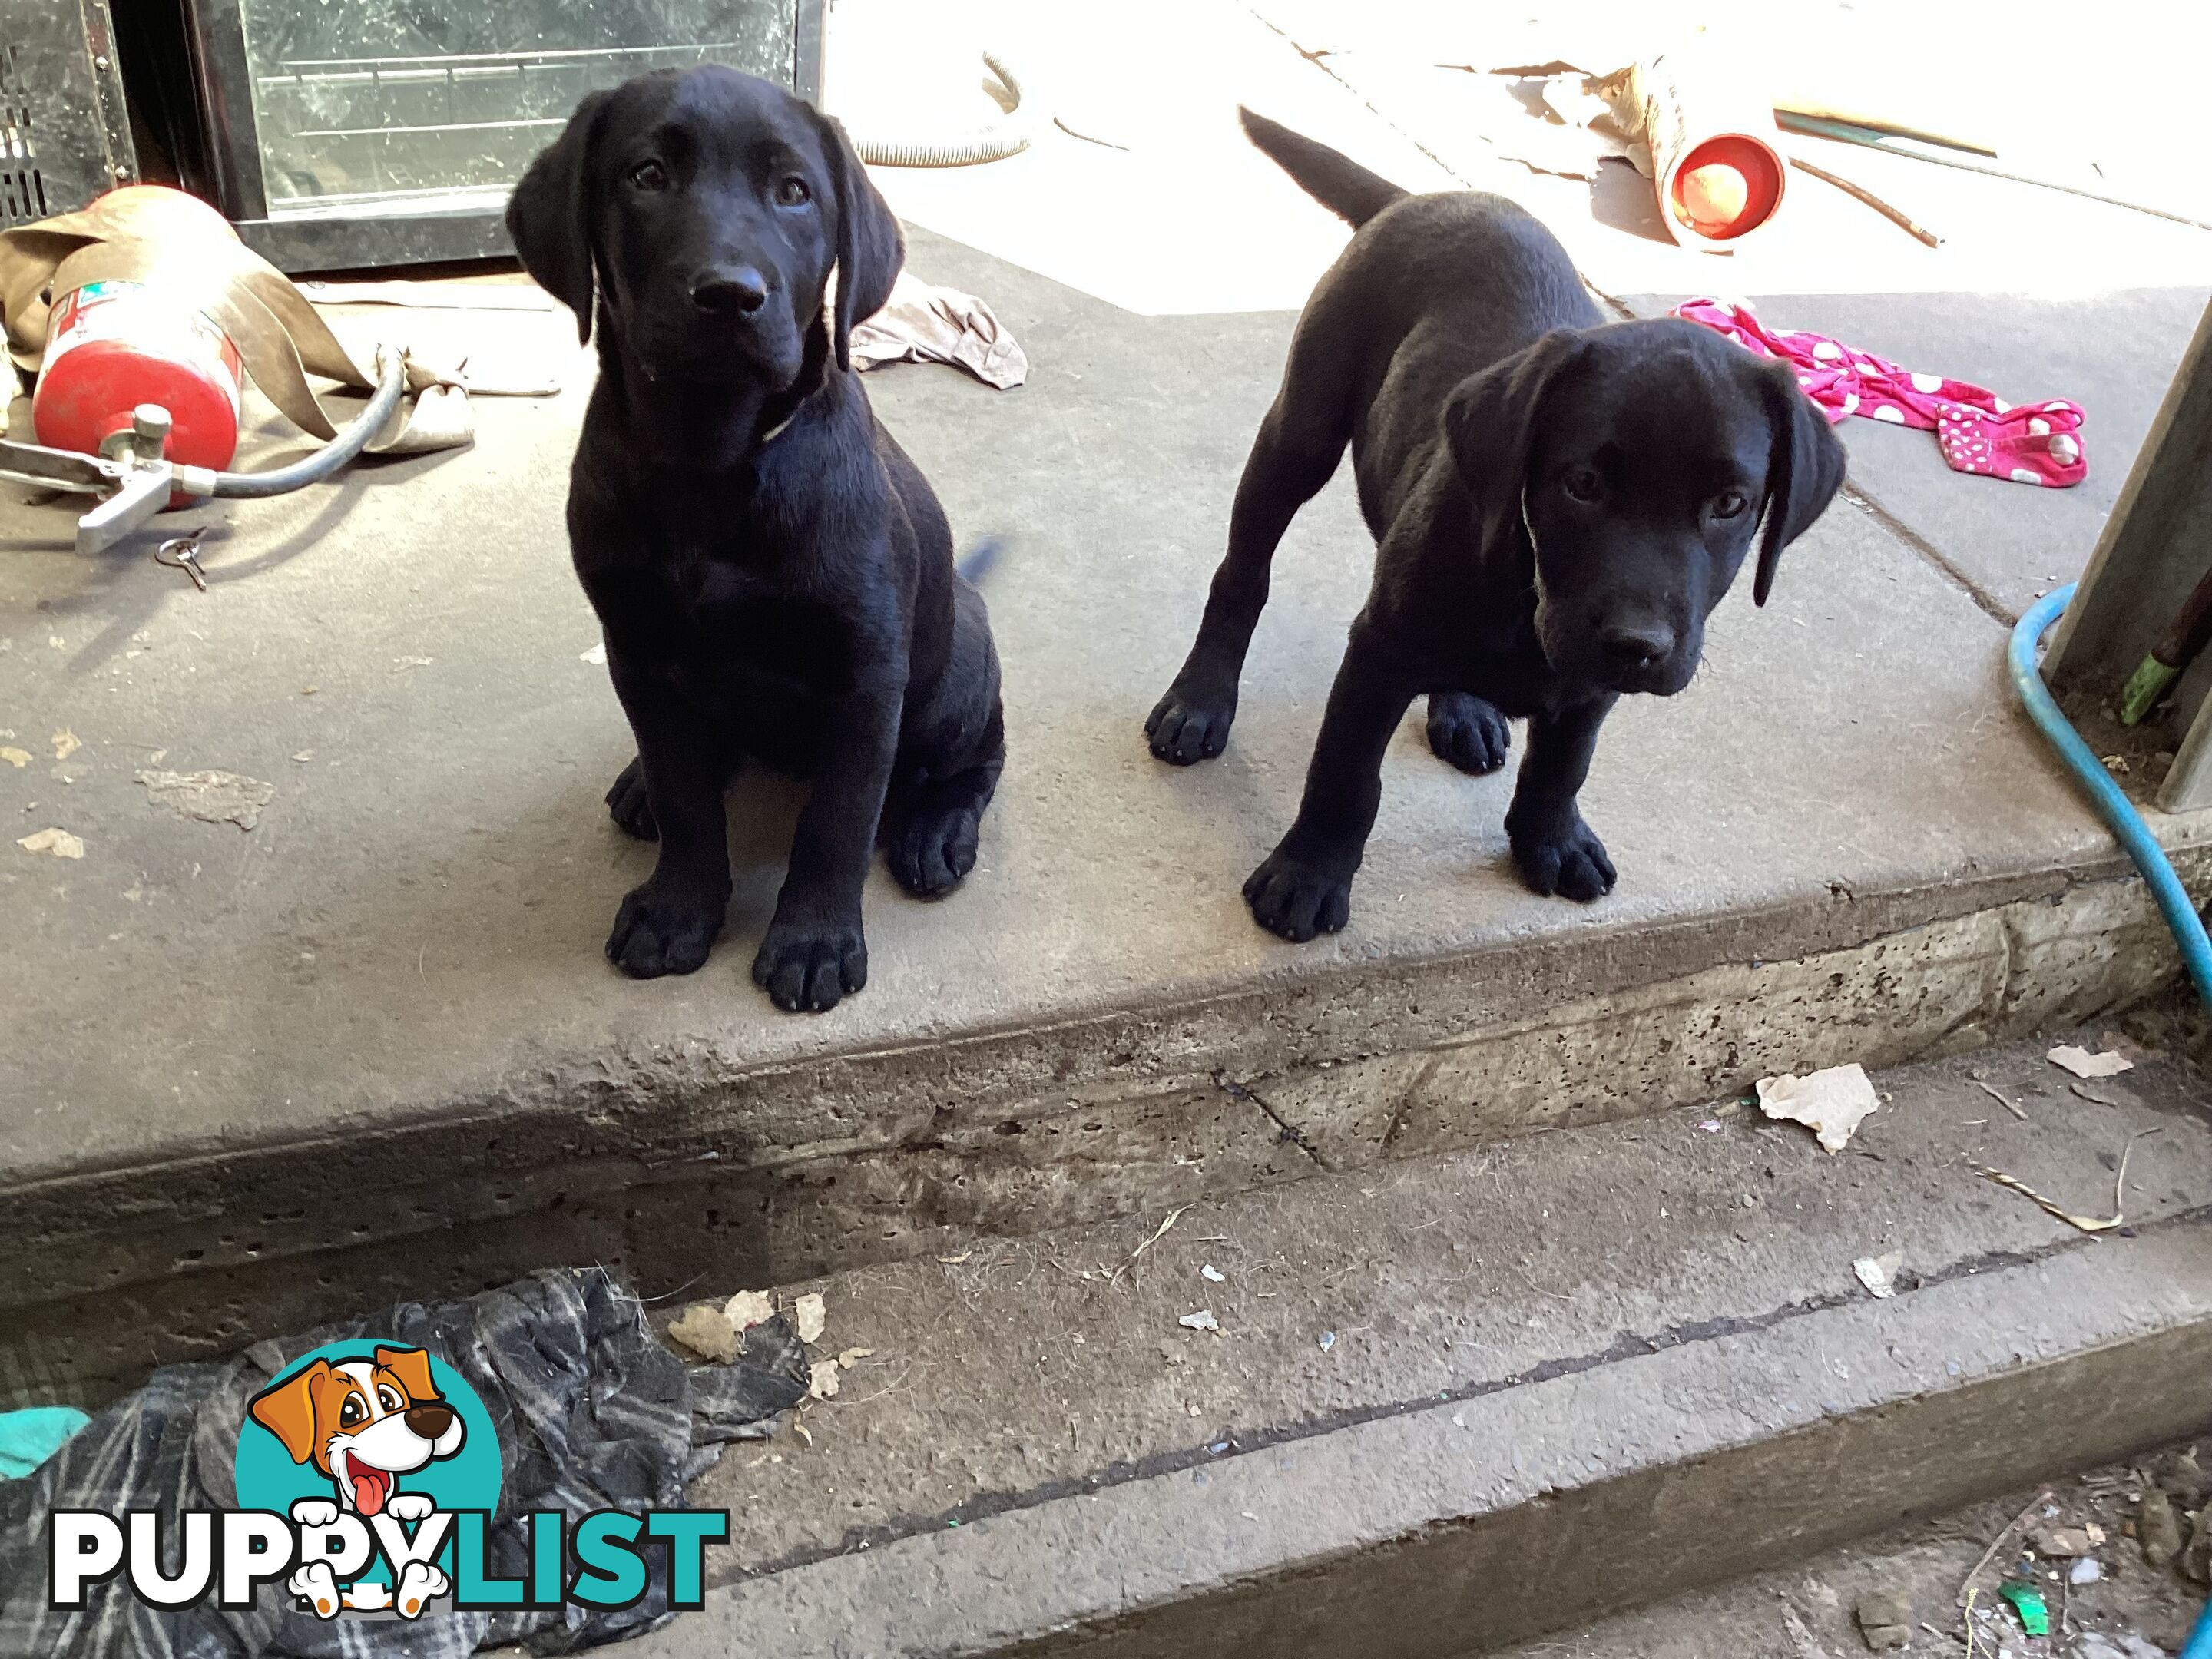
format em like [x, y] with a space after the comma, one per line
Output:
[391, 382]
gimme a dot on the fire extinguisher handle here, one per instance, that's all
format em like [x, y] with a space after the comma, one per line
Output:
[143, 491]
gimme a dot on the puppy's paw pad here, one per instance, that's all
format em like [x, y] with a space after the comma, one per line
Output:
[316, 1584]
[1187, 726]
[933, 850]
[1572, 864]
[420, 1583]
[664, 929]
[1296, 899]
[409, 1506]
[629, 807]
[1469, 733]
[809, 968]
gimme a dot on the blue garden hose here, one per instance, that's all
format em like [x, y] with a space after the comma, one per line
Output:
[2117, 810]
[2127, 823]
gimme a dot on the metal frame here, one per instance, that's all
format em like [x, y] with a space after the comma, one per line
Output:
[345, 236]
[2155, 547]
[64, 131]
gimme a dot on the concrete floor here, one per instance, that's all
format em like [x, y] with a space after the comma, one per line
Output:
[410, 937]
[439, 864]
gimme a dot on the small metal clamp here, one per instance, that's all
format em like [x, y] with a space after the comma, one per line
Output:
[183, 553]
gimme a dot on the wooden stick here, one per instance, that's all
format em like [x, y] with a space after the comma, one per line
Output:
[1967, 1584]
[1877, 123]
[1895, 216]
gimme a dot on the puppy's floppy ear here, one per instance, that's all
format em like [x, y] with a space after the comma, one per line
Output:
[870, 248]
[1804, 469]
[1490, 418]
[549, 220]
[287, 1409]
[412, 1367]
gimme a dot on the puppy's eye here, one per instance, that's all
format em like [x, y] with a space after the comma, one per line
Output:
[1582, 485]
[1730, 504]
[351, 1412]
[649, 175]
[792, 192]
[389, 1399]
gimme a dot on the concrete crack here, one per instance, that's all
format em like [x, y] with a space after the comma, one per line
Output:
[1985, 601]
[1290, 1133]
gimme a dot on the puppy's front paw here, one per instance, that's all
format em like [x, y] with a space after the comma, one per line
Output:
[1191, 723]
[626, 804]
[409, 1506]
[664, 928]
[934, 848]
[1569, 861]
[420, 1583]
[316, 1584]
[314, 1512]
[808, 966]
[1298, 898]
[1467, 733]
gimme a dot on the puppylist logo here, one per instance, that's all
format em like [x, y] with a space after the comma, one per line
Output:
[367, 1476]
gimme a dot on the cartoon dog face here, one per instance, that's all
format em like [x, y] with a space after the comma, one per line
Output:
[364, 1423]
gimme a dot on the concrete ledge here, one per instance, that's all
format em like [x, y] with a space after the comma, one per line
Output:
[371, 1050]
[1561, 1377]
[945, 1143]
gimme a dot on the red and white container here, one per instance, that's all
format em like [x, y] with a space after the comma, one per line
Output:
[1716, 156]
[116, 343]
[112, 345]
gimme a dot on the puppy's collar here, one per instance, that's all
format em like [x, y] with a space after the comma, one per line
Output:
[777, 431]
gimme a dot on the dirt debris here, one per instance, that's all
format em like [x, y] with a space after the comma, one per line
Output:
[1885, 1619]
[59, 843]
[809, 1317]
[2080, 1061]
[748, 1309]
[1832, 1104]
[707, 1331]
[210, 797]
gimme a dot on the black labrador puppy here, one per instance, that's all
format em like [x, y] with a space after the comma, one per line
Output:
[1557, 504]
[773, 576]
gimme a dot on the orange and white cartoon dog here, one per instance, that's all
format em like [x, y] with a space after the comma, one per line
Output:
[364, 1423]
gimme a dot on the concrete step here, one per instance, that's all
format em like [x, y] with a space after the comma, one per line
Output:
[1458, 1402]
[1927, 1562]
[370, 1049]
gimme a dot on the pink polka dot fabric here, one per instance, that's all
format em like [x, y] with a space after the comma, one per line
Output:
[1977, 430]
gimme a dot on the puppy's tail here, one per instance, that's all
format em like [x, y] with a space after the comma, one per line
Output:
[1336, 182]
[979, 559]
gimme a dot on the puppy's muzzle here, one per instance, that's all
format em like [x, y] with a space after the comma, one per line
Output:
[1633, 654]
[428, 1422]
[729, 290]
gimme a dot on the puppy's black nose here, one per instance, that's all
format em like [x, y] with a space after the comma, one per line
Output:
[1631, 649]
[428, 1422]
[719, 288]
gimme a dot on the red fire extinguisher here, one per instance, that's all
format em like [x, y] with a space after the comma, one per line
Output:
[112, 345]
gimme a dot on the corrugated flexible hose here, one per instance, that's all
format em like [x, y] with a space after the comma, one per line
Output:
[991, 143]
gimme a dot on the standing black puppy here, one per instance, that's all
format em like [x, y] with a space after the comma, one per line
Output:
[1557, 505]
[773, 574]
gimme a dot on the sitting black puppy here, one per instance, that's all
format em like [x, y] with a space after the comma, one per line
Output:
[1557, 505]
[773, 574]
